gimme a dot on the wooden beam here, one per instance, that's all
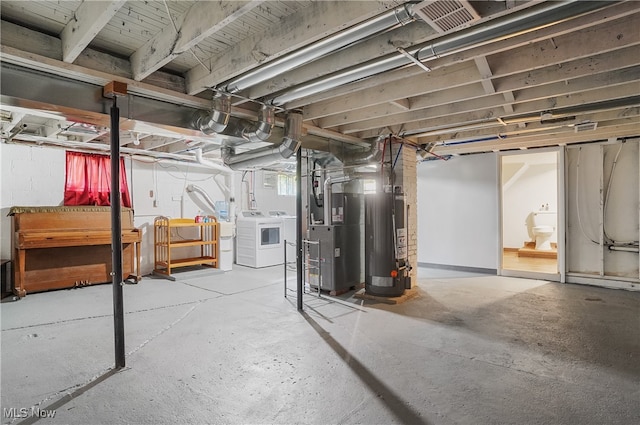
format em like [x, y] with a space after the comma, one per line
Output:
[569, 70]
[87, 21]
[420, 84]
[563, 136]
[447, 102]
[29, 41]
[451, 122]
[384, 111]
[461, 106]
[403, 104]
[601, 38]
[199, 22]
[602, 17]
[485, 74]
[455, 75]
[79, 73]
[511, 130]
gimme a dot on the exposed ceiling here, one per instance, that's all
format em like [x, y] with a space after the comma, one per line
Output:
[448, 76]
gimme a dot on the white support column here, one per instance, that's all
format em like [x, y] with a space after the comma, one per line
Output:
[562, 214]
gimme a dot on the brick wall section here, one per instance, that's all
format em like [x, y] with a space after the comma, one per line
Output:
[406, 168]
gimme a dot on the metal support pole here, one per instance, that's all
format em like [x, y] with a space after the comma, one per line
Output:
[319, 268]
[116, 237]
[285, 268]
[299, 225]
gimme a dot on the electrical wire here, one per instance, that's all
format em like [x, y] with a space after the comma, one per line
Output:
[397, 156]
[606, 202]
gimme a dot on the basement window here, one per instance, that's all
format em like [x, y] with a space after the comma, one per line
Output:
[286, 185]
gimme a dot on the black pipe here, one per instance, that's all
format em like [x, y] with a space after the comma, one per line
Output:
[299, 225]
[116, 238]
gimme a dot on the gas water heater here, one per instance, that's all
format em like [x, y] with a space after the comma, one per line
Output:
[386, 258]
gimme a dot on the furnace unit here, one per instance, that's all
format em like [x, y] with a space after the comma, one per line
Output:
[340, 245]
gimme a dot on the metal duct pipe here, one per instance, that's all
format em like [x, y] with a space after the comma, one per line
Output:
[252, 131]
[290, 144]
[372, 154]
[261, 131]
[399, 16]
[355, 157]
[327, 196]
[499, 28]
[217, 120]
[260, 156]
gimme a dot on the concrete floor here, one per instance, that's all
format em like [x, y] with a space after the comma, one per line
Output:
[229, 348]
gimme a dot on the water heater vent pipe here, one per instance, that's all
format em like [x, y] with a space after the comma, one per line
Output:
[327, 195]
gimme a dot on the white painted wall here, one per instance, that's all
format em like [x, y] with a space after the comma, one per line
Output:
[159, 188]
[266, 193]
[34, 176]
[458, 211]
[534, 183]
[28, 176]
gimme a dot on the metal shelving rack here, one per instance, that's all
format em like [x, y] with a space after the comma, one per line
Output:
[206, 238]
[310, 267]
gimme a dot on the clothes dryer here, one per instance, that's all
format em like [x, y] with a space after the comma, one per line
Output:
[259, 241]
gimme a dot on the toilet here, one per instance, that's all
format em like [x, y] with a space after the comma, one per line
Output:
[541, 228]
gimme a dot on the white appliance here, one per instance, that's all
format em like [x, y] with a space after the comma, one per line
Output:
[259, 241]
[289, 232]
[225, 261]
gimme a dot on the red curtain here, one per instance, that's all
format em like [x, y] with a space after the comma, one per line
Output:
[88, 180]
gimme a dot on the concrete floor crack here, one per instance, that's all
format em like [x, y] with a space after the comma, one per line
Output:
[69, 393]
[166, 328]
[65, 395]
[100, 316]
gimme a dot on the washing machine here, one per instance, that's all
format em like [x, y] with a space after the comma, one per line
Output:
[259, 241]
[290, 234]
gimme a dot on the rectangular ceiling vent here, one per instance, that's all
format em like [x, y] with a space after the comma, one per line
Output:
[446, 15]
[585, 126]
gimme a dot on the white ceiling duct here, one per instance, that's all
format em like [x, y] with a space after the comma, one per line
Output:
[585, 126]
[192, 188]
[446, 15]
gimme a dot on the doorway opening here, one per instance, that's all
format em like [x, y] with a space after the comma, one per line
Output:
[530, 205]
